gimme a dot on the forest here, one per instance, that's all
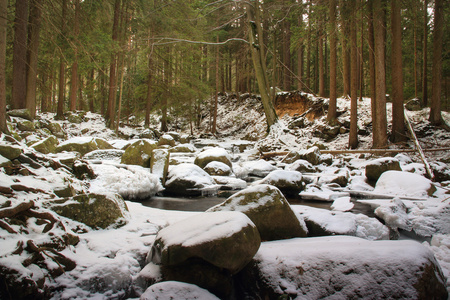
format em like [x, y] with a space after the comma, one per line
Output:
[125, 58]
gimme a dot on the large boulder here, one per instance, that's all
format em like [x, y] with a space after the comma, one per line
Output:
[166, 140]
[343, 267]
[94, 210]
[23, 113]
[54, 128]
[213, 154]
[290, 183]
[259, 168]
[139, 153]
[311, 155]
[266, 206]
[404, 184]
[159, 164]
[376, 167]
[187, 180]
[183, 148]
[226, 239]
[47, 145]
[25, 125]
[83, 145]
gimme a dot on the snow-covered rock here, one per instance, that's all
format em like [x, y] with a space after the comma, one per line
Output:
[213, 154]
[302, 166]
[260, 168]
[290, 183]
[166, 140]
[83, 145]
[159, 163]
[188, 180]
[343, 267]
[176, 290]
[217, 168]
[266, 206]
[322, 222]
[404, 184]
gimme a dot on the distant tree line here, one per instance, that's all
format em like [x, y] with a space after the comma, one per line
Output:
[134, 57]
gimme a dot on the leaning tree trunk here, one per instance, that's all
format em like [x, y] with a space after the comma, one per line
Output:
[259, 63]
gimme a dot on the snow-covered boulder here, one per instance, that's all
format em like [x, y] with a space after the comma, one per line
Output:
[302, 166]
[404, 184]
[83, 145]
[47, 145]
[187, 179]
[139, 153]
[94, 210]
[206, 249]
[176, 290]
[217, 168]
[378, 166]
[23, 113]
[260, 168]
[266, 206]
[105, 154]
[311, 155]
[321, 222]
[83, 170]
[343, 267]
[54, 128]
[183, 148]
[159, 163]
[339, 176]
[224, 239]
[131, 182]
[166, 140]
[290, 183]
[213, 154]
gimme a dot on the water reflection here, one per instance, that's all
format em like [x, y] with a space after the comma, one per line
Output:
[183, 204]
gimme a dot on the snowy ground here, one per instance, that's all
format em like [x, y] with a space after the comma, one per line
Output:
[117, 254]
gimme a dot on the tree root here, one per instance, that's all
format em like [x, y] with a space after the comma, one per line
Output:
[12, 211]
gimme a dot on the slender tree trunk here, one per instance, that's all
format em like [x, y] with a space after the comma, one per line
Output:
[74, 75]
[62, 80]
[371, 41]
[353, 137]
[333, 65]
[216, 94]
[380, 131]
[19, 76]
[345, 11]
[436, 83]
[110, 111]
[425, 55]
[3, 29]
[321, 58]
[398, 119]
[164, 102]
[300, 51]
[32, 55]
[148, 102]
[259, 63]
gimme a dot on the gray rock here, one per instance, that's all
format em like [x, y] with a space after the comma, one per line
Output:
[213, 154]
[290, 183]
[187, 180]
[266, 206]
[159, 163]
[301, 166]
[217, 168]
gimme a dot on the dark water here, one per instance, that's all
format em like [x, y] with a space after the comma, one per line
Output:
[204, 203]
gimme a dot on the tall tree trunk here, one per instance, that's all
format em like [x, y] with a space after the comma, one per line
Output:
[333, 65]
[321, 58]
[32, 55]
[19, 76]
[345, 11]
[164, 102]
[398, 119]
[259, 63]
[148, 101]
[353, 137]
[62, 80]
[286, 55]
[438, 32]
[425, 55]
[74, 75]
[300, 51]
[110, 111]
[380, 131]
[3, 29]
[371, 41]
[216, 94]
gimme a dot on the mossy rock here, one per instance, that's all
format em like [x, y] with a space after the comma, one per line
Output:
[54, 128]
[83, 145]
[26, 125]
[11, 152]
[139, 153]
[47, 145]
[23, 113]
[183, 148]
[166, 140]
[95, 210]
[75, 119]
[266, 206]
